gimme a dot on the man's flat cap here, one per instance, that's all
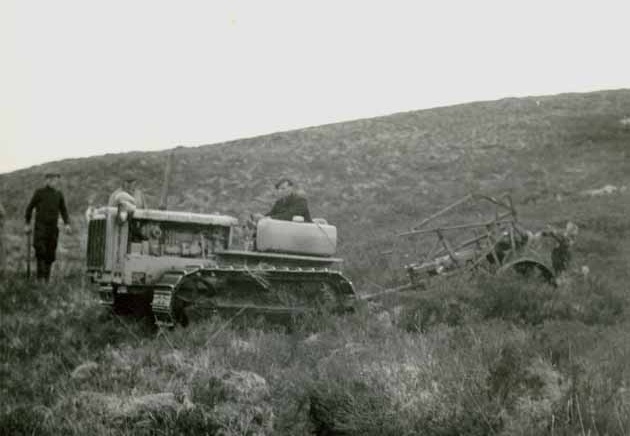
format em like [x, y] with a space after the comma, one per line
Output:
[51, 174]
[128, 176]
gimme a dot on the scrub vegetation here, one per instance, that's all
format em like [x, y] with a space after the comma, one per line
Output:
[473, 355]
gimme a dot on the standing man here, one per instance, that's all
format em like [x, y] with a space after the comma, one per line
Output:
[49, 204]
[128, 193]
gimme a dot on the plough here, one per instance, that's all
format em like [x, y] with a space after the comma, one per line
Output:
[493, 245]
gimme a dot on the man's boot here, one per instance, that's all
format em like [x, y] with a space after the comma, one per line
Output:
[47, 271]
[41, 270]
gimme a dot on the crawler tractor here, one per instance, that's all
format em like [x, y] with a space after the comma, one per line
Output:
[172, 264]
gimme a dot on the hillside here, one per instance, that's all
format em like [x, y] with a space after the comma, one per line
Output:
[376, 176]
[477, 354]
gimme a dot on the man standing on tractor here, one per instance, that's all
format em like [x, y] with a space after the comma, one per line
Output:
[49, 204]
[128, 194]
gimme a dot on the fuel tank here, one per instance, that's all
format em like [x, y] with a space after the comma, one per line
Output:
[316, 239]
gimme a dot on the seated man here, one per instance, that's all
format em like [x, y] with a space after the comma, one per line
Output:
[290, 202]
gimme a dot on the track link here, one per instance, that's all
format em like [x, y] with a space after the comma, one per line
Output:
[106, 295]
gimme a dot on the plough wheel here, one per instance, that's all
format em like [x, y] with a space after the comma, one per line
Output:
[530, 269]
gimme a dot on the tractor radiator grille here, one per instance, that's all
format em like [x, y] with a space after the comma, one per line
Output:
[96, 243]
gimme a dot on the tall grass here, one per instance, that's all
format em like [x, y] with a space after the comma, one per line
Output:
[482, 364]
[482, 355]
[476, 355]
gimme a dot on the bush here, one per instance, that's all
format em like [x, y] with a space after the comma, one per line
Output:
[428, 312]
[515, 298]
[512, 297]
[23, 421]
[352, 407]
[598, 302]
[596, 363]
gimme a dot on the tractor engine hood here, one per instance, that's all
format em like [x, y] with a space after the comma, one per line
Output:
[185, 217]
[173, 216]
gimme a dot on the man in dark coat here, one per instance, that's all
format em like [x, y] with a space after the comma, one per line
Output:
[49, 204]
[290, 203]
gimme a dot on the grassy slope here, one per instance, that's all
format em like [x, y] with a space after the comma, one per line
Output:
[474, 357]
[375, 177]
[408, 163]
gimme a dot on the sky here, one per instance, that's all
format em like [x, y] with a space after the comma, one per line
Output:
[83, 77]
